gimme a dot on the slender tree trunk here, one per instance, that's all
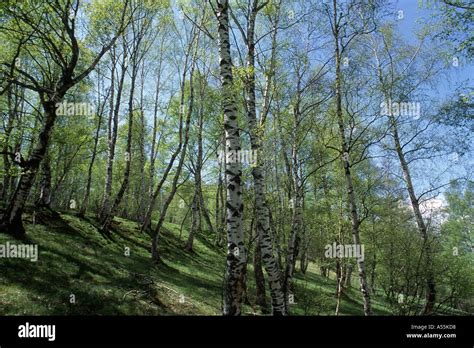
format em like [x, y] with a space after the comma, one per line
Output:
[276, 243]
[430, 281]
[44, 200]
[195, 222]
[262, 218]
[355, 221]
[112, 131]
[146, 225]
[372, 274]
[259, 279]
[142, 191]
[108, 217]
[156, 234]
[347, 282]
[338, 286]
[304, 260]
[296, 205]
[198, 208]
[153, 142]
[236, 253]
[100, 111]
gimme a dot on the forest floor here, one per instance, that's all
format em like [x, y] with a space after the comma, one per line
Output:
[79, 271]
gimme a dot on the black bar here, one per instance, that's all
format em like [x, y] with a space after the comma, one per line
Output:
[288, 331]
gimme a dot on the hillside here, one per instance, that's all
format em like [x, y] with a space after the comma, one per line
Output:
[75, 259]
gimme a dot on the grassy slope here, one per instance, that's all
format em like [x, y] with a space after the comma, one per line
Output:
[74, 258]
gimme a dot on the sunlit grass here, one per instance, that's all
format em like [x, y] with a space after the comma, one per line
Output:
[114, 275]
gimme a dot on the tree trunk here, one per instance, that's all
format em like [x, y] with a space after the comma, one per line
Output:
[7, 178]
[339, 285]
[355, 221]
[262, 212]
[198, 207]
[154, 144]
[304, 260]
[112, 132]
[50, 95]
[236, 253]
[109, 215]
[372, 274]
[44, 200]
[195, 222]
[85, 200]
[156, 234]
[146, 225]
[12, 219]
[347, 280]
[142, 188]
[296, 205]
[259, 279]
[430, 281]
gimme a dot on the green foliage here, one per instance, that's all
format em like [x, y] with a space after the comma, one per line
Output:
[457, 259]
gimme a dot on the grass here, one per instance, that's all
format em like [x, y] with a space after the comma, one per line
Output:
[77, 262]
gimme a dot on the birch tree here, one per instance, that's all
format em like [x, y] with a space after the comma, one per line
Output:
[236, 253]
[53, 84]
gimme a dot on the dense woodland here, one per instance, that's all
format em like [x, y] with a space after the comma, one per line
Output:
[294, 137]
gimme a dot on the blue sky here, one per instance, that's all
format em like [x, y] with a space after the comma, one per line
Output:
[414, 17]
